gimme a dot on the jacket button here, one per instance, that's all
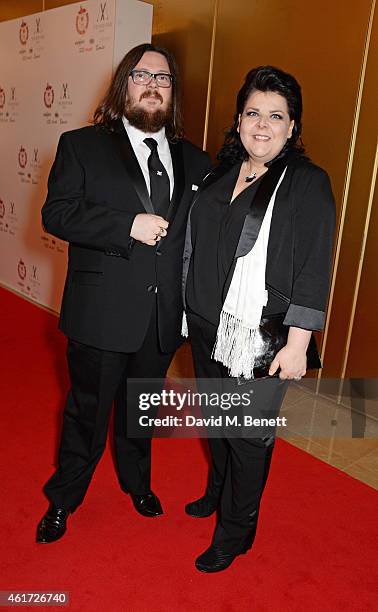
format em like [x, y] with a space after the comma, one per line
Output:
[158, 253]
[151, 288]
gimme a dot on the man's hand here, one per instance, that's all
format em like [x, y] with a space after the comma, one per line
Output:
[148, 228]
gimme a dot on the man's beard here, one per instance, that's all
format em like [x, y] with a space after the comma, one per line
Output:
[148, 121]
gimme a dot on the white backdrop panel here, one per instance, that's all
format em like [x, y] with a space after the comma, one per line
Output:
[54, 68]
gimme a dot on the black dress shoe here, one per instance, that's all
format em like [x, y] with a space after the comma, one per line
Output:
[147, 505]
[205, 506]
[216, 559]
[53, 525]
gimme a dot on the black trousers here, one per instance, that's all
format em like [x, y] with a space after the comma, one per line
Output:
[239, 466]
[97, 378]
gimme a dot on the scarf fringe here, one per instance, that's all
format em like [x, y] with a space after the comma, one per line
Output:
[235, 346]
[184, 326]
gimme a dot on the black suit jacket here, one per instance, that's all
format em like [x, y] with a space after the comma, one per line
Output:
[95, 190]
[300, 242]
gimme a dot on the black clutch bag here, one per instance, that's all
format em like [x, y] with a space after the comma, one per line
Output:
[273, 337]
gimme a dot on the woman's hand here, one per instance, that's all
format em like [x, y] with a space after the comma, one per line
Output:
[292, 357]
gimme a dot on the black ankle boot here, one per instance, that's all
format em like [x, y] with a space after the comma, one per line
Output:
[205, 506]
[216, 559]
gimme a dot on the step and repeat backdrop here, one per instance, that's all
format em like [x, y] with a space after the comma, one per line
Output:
[54, 68]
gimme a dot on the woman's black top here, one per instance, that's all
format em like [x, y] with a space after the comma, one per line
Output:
[216, 225]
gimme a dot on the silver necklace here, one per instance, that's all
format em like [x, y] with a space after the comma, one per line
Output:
[250, 177]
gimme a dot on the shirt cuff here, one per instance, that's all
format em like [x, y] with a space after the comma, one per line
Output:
[306, 318]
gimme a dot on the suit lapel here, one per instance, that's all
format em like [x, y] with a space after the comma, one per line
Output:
[212, 177]
[179, 178]
[260, 203]
[131, 165]
[179, 183]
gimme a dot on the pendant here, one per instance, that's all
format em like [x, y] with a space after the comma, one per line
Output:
[250, 178]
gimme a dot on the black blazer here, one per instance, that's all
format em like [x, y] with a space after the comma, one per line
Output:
[95, 190]
[300, 243]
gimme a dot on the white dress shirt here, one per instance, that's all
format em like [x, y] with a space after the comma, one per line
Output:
[142, 151]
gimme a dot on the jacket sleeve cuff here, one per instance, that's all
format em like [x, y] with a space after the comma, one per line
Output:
[306, 318]
[124, 223]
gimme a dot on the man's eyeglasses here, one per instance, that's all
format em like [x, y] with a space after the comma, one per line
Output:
[143, 77]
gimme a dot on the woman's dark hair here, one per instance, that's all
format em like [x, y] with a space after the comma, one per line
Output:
[112, 107]
[265, 78]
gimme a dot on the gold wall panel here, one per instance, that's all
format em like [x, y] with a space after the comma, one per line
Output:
[51, 4]
[19, 8]
[325, 55]
[362, 359]
[319, 43]
[350, 249]
[185, 28]
[362, 355]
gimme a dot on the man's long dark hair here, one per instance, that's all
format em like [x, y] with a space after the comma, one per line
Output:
[112, 107]
[265, 78]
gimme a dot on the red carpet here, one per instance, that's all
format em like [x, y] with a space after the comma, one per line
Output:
[314, 549]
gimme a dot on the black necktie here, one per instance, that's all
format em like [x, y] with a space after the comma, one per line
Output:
[159, 180]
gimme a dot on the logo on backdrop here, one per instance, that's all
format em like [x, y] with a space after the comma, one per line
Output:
[65, 94]
[29, 171]
[22, 157]
[37, 26]
[103, 26]
[53, 244]
[21, 270]
[24, 33]
[64, 104]
[48, 96]
[82, 21]
[8, 105]
[28, 279]
[8, 219]
[102, 13]
[35, 172]
[49, 102]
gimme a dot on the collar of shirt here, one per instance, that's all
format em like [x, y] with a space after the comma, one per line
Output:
[142, 151]
[137, 136]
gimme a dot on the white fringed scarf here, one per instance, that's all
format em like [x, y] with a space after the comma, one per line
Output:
[237, 339]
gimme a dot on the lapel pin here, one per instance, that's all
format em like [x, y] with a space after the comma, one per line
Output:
[194, 187]
[159, 173]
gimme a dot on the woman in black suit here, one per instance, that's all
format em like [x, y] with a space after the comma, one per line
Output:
[259, 243]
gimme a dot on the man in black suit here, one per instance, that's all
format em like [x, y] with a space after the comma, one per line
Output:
[119, 193]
